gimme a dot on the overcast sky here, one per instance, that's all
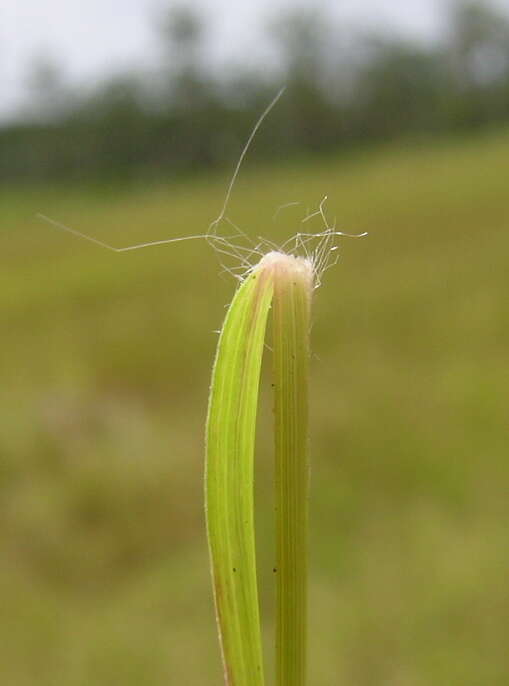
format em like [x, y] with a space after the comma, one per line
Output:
[90, 38]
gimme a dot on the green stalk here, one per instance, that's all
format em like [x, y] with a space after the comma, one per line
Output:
[292, 299]
[231, 428]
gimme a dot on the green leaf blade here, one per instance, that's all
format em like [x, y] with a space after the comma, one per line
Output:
[231, 429]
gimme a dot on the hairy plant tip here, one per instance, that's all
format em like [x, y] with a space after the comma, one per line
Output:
[283, 266]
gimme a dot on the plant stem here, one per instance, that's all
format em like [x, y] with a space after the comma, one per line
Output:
[291, 308]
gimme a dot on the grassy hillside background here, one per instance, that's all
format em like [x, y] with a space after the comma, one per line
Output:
[105, 370]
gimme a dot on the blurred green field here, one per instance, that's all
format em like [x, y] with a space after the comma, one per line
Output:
[105, 370]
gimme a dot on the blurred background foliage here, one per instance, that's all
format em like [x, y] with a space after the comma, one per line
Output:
[346, 88]
[105, 359]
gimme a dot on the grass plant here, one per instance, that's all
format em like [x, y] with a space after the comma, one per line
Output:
[287, 281]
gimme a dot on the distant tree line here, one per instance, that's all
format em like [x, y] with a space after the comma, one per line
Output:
[341, 91]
